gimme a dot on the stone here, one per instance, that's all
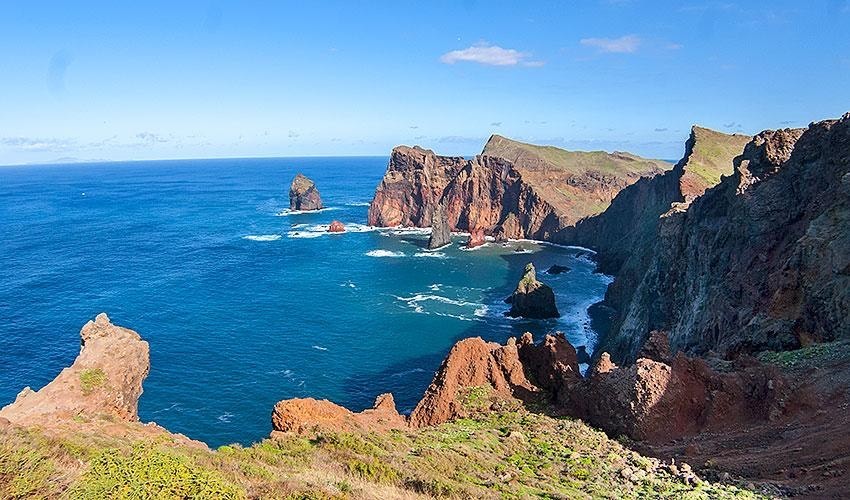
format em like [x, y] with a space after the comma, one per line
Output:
[336, 227]
[532, 298]
[441, 233]
[304, 195]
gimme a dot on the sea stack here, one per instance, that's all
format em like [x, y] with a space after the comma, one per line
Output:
[476, 238]
[441, 234]
[303, 194]
[336, 227]
[532, 299]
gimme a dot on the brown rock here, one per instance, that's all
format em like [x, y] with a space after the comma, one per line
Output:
[471, 363]
[476, 238]
[105, 380]
[303, 194]
[656, 347]
[552, 364]
[336, 227]
[308, 415]
[512, 190]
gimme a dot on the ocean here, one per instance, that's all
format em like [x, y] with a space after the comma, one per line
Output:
[244, 303]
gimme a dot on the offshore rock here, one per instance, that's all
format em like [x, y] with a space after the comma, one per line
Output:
[303, 194]
[336, 227]
[441, 232]
[105, 380]
[476, 238]
[532, 299]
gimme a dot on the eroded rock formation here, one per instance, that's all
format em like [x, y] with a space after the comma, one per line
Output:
[512, 190]
[304, 195]
[441, 232]
[104, 381]
[532, 298]
[308, 415]
[336, 227]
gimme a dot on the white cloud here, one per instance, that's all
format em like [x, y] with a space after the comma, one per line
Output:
[623, 45]
[490, 55]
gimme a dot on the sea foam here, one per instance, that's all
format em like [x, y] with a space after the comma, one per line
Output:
[384, 253]
[262, 237]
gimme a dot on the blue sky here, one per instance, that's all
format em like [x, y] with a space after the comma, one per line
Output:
[148, 80]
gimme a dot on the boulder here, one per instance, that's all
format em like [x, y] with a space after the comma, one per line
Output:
[441, 234]
[476, 238]
[303, 194]
[336, 227]
[532, 298]
[557, 269]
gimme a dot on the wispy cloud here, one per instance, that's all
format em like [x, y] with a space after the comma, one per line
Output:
[489, 55]
[496, 124]
[661, 130]
[150, 137]
[35, 144]
[623, 45]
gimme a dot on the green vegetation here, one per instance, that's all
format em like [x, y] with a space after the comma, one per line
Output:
[713, 154]
[506, 453]
[147, 472]
[91, 379]
[618, 164]
[813, 355]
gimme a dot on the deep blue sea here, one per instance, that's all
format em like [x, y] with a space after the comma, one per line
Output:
[243, 303]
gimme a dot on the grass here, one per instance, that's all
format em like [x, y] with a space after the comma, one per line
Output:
[91, 379]
[507, 453]
[810, 356]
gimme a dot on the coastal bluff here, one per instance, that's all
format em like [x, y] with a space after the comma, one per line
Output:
[511, 190]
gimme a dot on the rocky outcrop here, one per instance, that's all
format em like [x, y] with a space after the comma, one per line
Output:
[304, 195]
[532, 298]
[557, 269]
[105, 381]
[441, 232]
[659, 401]
[308, 415]
[472, 363]
[761, 261]
[512, 190]
[476, 238]
[336, 227]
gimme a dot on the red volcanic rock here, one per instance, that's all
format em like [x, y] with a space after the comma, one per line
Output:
[336, 227]
[476, 238]
[105, 380]
[657, 402]
[512, 190]
[552, 364]
[308, 415]
[471, 363]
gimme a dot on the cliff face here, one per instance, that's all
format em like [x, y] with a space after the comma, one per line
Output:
[628, 227]
[512, 190]
[761, 261]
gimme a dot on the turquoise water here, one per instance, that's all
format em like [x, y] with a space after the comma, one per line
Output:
[243, 303]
